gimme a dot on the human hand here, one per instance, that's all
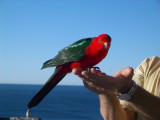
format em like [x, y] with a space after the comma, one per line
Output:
[100, 83]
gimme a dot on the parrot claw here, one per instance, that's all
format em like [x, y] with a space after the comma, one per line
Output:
[89, 69]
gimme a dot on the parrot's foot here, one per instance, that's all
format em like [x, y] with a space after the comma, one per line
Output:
[89, 68]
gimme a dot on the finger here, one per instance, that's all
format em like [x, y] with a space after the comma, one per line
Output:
[94, 80]
[128, 72]
[93, 70]
[91, 77]
[104, 74]
[98, 72]
[123, 75]
[97, 78]
[78, 72]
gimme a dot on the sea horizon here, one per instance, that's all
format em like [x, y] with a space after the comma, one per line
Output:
[64, 102]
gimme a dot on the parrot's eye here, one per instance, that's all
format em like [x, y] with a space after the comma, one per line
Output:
[100, 40]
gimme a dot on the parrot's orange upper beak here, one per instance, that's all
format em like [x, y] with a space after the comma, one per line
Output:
[107, 45]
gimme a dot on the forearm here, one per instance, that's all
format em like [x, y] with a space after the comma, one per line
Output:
[110, 107]
[146, 103]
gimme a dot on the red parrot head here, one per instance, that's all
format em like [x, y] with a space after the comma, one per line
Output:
[103, 41]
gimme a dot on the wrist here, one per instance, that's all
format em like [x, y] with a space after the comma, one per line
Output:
[126, 87]
[108, 94]
[129, 94]
[109, 97]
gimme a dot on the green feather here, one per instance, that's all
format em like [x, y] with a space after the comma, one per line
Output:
[70, 53]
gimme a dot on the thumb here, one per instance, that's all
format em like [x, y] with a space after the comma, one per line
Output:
[126, 72]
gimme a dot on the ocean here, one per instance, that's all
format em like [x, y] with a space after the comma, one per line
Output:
[62, 103]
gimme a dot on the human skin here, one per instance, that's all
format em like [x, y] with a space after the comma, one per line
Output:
[107, 87]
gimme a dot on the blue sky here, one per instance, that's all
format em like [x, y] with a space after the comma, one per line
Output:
[33, 31]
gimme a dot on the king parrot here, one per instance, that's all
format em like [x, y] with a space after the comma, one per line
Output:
[82, 54]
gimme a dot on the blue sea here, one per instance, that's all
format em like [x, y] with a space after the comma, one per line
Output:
[62, 103]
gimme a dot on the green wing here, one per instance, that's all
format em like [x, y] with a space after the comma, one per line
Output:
[71, 53]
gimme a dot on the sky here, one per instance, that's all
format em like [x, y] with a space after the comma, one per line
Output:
[33, 31]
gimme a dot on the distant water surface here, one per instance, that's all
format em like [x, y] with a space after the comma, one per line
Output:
[62, 103]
